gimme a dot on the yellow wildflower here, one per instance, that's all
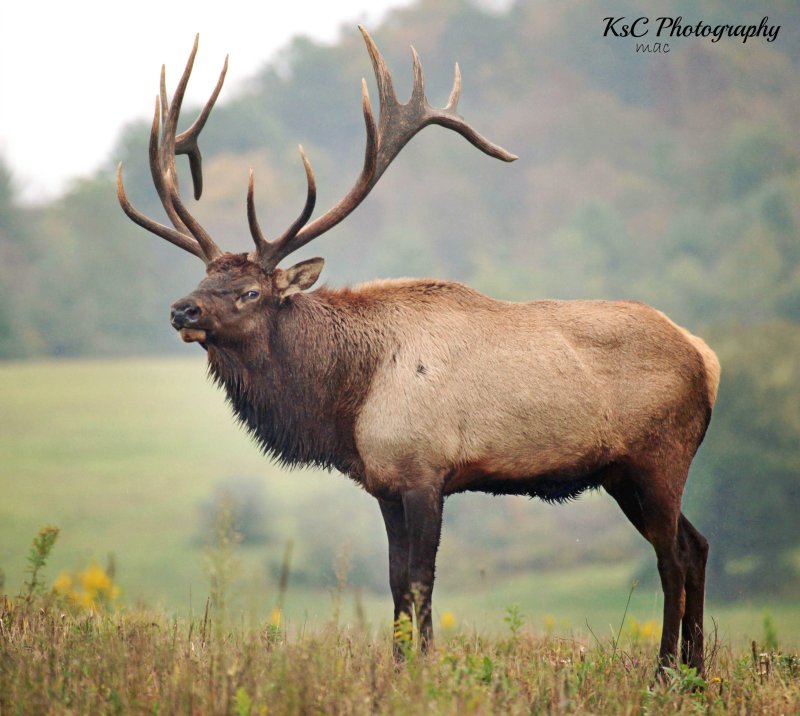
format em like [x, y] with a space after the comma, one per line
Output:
[448, 621]
[644, 631]
[403, 629]
[89, 588]
[63, 583]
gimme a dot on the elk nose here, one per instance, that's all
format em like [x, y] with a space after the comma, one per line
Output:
[185, 314]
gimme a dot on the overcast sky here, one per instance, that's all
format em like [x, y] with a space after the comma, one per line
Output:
[73, 72]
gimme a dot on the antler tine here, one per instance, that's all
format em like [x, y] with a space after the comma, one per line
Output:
[453, 121]
[449, 118]
[386, 96]
[269, 253]
[174, 108]
[186, 142]
[311, 200]
[455, 93]
[397, 124]
[160, 181]
[418, 87]
[162, 89]
[262, 245]
[371, 146]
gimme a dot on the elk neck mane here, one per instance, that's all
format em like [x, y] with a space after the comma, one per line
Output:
[298, 386]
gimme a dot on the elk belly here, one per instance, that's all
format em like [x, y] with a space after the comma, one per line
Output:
[458, 398]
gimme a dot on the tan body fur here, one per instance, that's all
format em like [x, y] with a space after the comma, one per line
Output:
[474, 387]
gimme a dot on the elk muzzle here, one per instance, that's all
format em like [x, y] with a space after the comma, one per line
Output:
[184, 316]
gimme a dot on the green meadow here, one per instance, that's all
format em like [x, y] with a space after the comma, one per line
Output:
[121, 455]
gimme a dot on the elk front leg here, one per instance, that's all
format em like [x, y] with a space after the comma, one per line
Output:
[423, 519]
[394, 517]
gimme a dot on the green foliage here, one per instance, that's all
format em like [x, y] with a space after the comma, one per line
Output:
[770, 633]
[685, 680]
[43, 544]
[752, 157]
[17, 251]
[746, 489]
[243, 704]
[221, 563]
[622, 621]
[515, 619]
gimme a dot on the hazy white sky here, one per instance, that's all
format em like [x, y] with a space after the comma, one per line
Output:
[72, 73]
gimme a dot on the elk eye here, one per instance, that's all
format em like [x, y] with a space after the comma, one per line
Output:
[249, 296]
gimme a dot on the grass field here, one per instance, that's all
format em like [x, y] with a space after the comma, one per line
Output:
[119, 454]
[53, 660]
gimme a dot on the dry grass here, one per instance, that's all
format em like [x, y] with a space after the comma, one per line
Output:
[53, 660]
[68, 652]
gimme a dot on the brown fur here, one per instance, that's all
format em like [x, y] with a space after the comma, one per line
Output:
[418, 389]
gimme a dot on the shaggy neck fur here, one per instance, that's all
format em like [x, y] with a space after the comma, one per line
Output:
[298, 387]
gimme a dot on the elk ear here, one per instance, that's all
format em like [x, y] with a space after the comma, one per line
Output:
[298, 278]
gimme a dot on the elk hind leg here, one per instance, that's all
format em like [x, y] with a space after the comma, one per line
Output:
[695, 549]
[654, 509]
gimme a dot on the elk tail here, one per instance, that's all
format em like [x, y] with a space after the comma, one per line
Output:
[710, 361]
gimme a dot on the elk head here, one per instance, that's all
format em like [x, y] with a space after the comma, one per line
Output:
[234, 298]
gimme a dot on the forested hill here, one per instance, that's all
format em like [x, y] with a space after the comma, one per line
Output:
[672, 178]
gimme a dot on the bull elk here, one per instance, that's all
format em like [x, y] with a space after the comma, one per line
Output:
[420, 389]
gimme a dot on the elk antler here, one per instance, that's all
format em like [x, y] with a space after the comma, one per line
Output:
[188, 234]
[397, 124]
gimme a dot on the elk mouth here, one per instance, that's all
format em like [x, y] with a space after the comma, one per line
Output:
[192, 335]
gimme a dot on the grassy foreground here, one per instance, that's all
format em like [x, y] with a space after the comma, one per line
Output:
[54, 661]
[64, 650]
[120, 454]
